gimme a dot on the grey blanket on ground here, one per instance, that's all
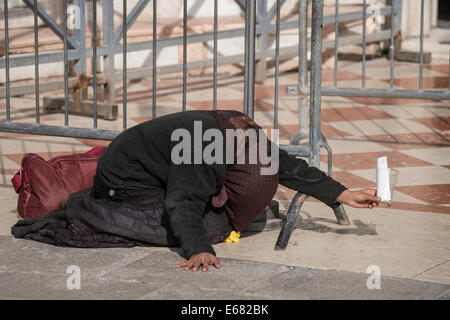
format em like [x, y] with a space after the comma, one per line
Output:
[89, 222]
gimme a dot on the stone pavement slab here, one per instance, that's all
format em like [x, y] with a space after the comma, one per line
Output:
[32, 270]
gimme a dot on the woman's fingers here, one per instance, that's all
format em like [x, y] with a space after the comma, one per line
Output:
[183, 264]
[366, 196]
[361, 204]
[197, 264]
[355, 204]
[373, 198]
[200, 260]
[361, 199]
[187, 264]
[372, 195]
[371, 192]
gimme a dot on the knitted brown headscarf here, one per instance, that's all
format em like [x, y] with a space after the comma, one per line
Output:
[247, 190]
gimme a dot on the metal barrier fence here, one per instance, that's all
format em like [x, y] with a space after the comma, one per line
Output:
[420, 93]
[316, 91]
[76, 51]
[257, 27]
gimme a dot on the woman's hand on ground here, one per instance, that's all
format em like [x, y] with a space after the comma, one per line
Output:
[366, 198]
[198, 260]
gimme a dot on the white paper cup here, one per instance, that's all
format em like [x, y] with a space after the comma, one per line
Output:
[393, 174]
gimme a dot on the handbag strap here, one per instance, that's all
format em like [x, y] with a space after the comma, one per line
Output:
[17, 180]
[96, 152]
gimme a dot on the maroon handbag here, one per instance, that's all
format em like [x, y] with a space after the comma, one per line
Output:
[44, 185]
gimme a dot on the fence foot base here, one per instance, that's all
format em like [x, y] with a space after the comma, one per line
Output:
[341, 216]
[277, 248]
[289, 224]
[411, 56]
[105, 111]
[295, 139]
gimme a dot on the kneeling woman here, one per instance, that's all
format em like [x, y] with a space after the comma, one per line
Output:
[142, 195]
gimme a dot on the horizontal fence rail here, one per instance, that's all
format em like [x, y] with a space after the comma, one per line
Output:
[76, 53]
[391, 92]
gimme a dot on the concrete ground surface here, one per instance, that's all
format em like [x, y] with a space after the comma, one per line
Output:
[407, 243]
[38, 271]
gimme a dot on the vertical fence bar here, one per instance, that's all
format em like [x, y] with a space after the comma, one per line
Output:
[392, 46]
[36, 62]
[154, 62]
[7, 75]
[316, 81]
[110, 43]
[449, 68]
[94, 59]
[246, 67]
[184, 52]
[215, 56]
[364, 43]
[124, 71]
[336, 42]
[302, 72]
[277, 65]
[66, 67]
[250, 21]
[79, 35]
[422, 14]
[251, 58]
[303, 44]
[262, 41]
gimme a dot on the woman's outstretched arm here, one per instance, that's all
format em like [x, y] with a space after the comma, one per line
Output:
[296, 174]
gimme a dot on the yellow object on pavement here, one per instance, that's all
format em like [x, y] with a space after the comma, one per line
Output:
[233, 237]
